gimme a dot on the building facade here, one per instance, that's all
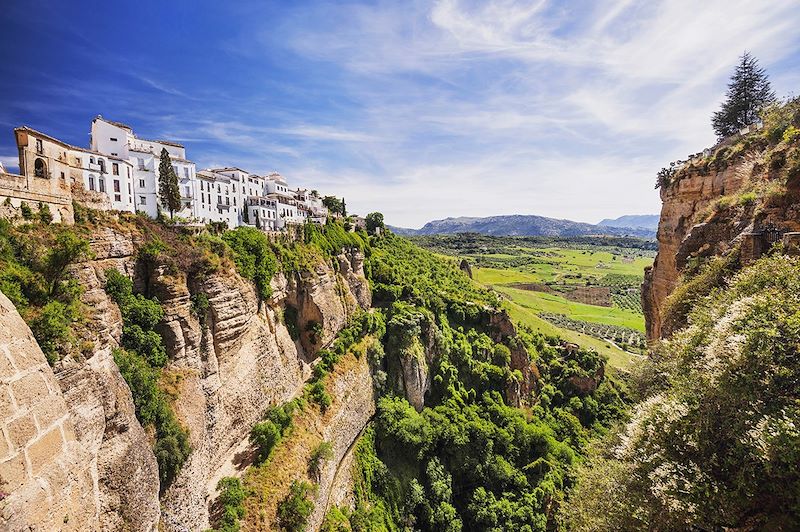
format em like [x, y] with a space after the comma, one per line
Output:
[120, 171]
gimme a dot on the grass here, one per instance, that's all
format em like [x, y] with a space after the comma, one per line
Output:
[554, 304]
[617, 358]
[268, 483]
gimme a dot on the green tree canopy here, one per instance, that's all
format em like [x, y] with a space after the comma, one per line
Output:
[374, 221]
[168, 189]
[334, 204]
[749, 92]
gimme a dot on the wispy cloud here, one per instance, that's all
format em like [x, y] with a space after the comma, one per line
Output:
[431, 108]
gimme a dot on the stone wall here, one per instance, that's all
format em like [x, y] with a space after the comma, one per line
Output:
[46, 475]
[16, 189]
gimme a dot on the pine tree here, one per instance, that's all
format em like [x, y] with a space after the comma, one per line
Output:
[749, 92]
[168, 189]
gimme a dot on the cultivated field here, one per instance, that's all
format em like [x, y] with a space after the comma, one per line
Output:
[586, 290]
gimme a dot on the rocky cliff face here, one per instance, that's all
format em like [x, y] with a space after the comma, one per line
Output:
[47, 476]
[102, 440]
[241, 360]
[710, 210]
[71, 445]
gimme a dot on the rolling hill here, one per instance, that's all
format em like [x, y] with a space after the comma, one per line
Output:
[520, 225]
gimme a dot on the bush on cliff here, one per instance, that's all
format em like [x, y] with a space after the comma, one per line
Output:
[715, 445]
[253, 256]
[34, 275]
[296, 508]
[140, 362]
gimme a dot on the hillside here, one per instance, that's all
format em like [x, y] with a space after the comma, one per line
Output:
[713, 441]
[520, 225]
[326, 379]
[637, 221]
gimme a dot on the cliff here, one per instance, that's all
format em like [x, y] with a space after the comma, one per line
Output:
[741, 198]
[241, 361]
[72, 445]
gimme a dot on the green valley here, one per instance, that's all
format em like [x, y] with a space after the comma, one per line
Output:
[584, 289]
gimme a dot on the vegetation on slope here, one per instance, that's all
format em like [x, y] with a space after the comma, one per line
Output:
[140, 361]
[468, 460]
[714, 444]
[33, 275]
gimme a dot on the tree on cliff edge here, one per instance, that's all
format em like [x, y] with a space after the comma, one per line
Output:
[168, 189]
[749, 91]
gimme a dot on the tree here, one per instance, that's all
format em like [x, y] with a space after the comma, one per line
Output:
[168, 184]
[749, 92]
[334, 204]
[374, 222]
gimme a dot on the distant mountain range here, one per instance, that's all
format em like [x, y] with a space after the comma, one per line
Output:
[637, 221]
[523, 225]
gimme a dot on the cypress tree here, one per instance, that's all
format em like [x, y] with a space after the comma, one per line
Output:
[168, 189]
[749, 92]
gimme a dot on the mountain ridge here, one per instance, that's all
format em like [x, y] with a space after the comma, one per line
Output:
[520, 225]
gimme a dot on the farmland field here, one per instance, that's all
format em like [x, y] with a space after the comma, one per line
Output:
[585, 290]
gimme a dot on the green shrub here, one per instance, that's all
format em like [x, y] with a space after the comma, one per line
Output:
[321, 454]
[51, 328]
[200, 305]
[296, 508]
[153, 408]
[265, 436]
[45, 216]
[231, 497]
[320, 395]
[253, 257]
[27, 212]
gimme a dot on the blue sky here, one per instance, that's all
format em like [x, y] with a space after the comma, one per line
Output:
[421, 110]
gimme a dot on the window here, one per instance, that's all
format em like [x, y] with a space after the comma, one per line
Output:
[102, 185]
[114, 154]
[116, 185]
[39, 168]
[91, 160]
[142, 200]
[91, 182]
[117, 197]
[112, 139]
[39, 148]
[186, 171]
[62, 175]
[102, 163]
[141, 183]
[129, 189]
[115, 168]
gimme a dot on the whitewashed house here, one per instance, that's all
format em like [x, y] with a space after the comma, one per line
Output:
[118, 140]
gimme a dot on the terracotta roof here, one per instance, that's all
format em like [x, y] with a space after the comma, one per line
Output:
[228, 169]
[68, 146]
[118, 124]
[169, 143]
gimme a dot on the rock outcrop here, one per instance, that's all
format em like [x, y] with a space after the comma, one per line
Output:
[703, 215]
[73, 455]
[240, 360]
[47, 476]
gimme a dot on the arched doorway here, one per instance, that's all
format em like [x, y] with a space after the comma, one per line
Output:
[39, 168]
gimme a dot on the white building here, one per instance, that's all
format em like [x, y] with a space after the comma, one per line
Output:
[109, 175]
[213, 198]
[118, 140]
[120, 172]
